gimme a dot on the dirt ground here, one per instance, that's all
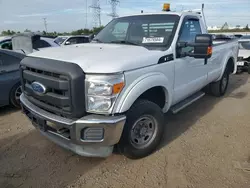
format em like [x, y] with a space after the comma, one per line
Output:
[206, 145]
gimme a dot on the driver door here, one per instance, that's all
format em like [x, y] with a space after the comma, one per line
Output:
[9, 75]
[190, 73]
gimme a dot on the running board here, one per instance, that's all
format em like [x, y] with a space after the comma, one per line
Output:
[186, 102]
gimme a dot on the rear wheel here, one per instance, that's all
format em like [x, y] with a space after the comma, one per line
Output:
[15, 94]
[143, 130]
[219, 88]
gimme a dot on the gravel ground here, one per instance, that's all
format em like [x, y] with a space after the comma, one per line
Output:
[206, 145]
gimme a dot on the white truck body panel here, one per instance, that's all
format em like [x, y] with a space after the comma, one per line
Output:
[97, 58]
[180, 78]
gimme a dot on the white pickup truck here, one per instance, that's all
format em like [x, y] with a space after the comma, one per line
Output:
[115, 90]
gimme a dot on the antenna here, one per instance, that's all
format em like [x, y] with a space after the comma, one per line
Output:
[96, 10]
[45, 24]
[203, 15]
[113, 4]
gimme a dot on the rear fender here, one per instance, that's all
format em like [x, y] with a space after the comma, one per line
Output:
[228, 56]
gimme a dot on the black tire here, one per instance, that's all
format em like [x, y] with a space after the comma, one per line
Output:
[219, 88]
[248, 70]
[150, 111]
[239, 71]
[14, 101]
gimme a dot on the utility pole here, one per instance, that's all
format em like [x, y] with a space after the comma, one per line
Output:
[113, 4]
[96, 10]
[45, 24]
[86, 18]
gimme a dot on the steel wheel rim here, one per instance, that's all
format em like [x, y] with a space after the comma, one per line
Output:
[18, 93]
[143, 131]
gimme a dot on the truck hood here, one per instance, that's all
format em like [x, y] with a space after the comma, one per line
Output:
[103, 58]
[244, 53]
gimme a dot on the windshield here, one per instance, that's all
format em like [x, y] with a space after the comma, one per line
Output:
[60, 40]
[245, 37]
[244, 45]
[146, 30]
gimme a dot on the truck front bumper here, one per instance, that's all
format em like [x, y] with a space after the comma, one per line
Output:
[91, 135]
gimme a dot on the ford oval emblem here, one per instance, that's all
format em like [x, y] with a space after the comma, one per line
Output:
[38, 87]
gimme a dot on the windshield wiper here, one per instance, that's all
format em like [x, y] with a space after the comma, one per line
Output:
[97, 40]
[124, 42]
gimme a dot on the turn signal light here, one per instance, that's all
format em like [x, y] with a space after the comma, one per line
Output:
[118, 87]
[209, 50]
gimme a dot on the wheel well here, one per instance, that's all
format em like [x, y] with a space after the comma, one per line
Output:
[230, 65]
[155, 95]
[14, 85]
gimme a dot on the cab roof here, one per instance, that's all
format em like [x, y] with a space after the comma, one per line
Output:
[184, 13]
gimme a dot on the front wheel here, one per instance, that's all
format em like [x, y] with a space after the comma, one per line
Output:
[15, 94]
[143, 130]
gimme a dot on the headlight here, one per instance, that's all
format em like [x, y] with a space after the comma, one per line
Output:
[99, 103]
[96, 88]
[102, 91]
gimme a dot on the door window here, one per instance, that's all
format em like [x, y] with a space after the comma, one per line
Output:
[40, 44]
[190, 29]
[6, 45]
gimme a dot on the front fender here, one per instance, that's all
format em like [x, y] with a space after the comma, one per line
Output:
[139, 86]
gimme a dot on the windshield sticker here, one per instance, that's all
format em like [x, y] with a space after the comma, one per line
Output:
[153, 40]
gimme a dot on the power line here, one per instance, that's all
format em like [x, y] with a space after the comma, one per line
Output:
[45, 24]
[113, 4]
[96, 11]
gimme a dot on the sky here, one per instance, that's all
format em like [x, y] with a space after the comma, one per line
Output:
[68, 15]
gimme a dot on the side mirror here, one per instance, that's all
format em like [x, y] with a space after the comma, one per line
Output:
[67, 43]
[202, 46]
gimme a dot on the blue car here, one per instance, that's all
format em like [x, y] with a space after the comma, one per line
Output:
[10, 87]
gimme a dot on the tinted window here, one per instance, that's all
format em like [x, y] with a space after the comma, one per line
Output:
[60, 40]
[190, 29]
[40, 44]
[78, 40]
[6, 45]
[86, 39]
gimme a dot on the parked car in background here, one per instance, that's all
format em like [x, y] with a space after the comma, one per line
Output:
[244, 54]
[10, 78]
[69, 40]
[238, 35]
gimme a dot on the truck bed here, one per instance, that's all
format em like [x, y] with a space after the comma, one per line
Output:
[223, 41]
